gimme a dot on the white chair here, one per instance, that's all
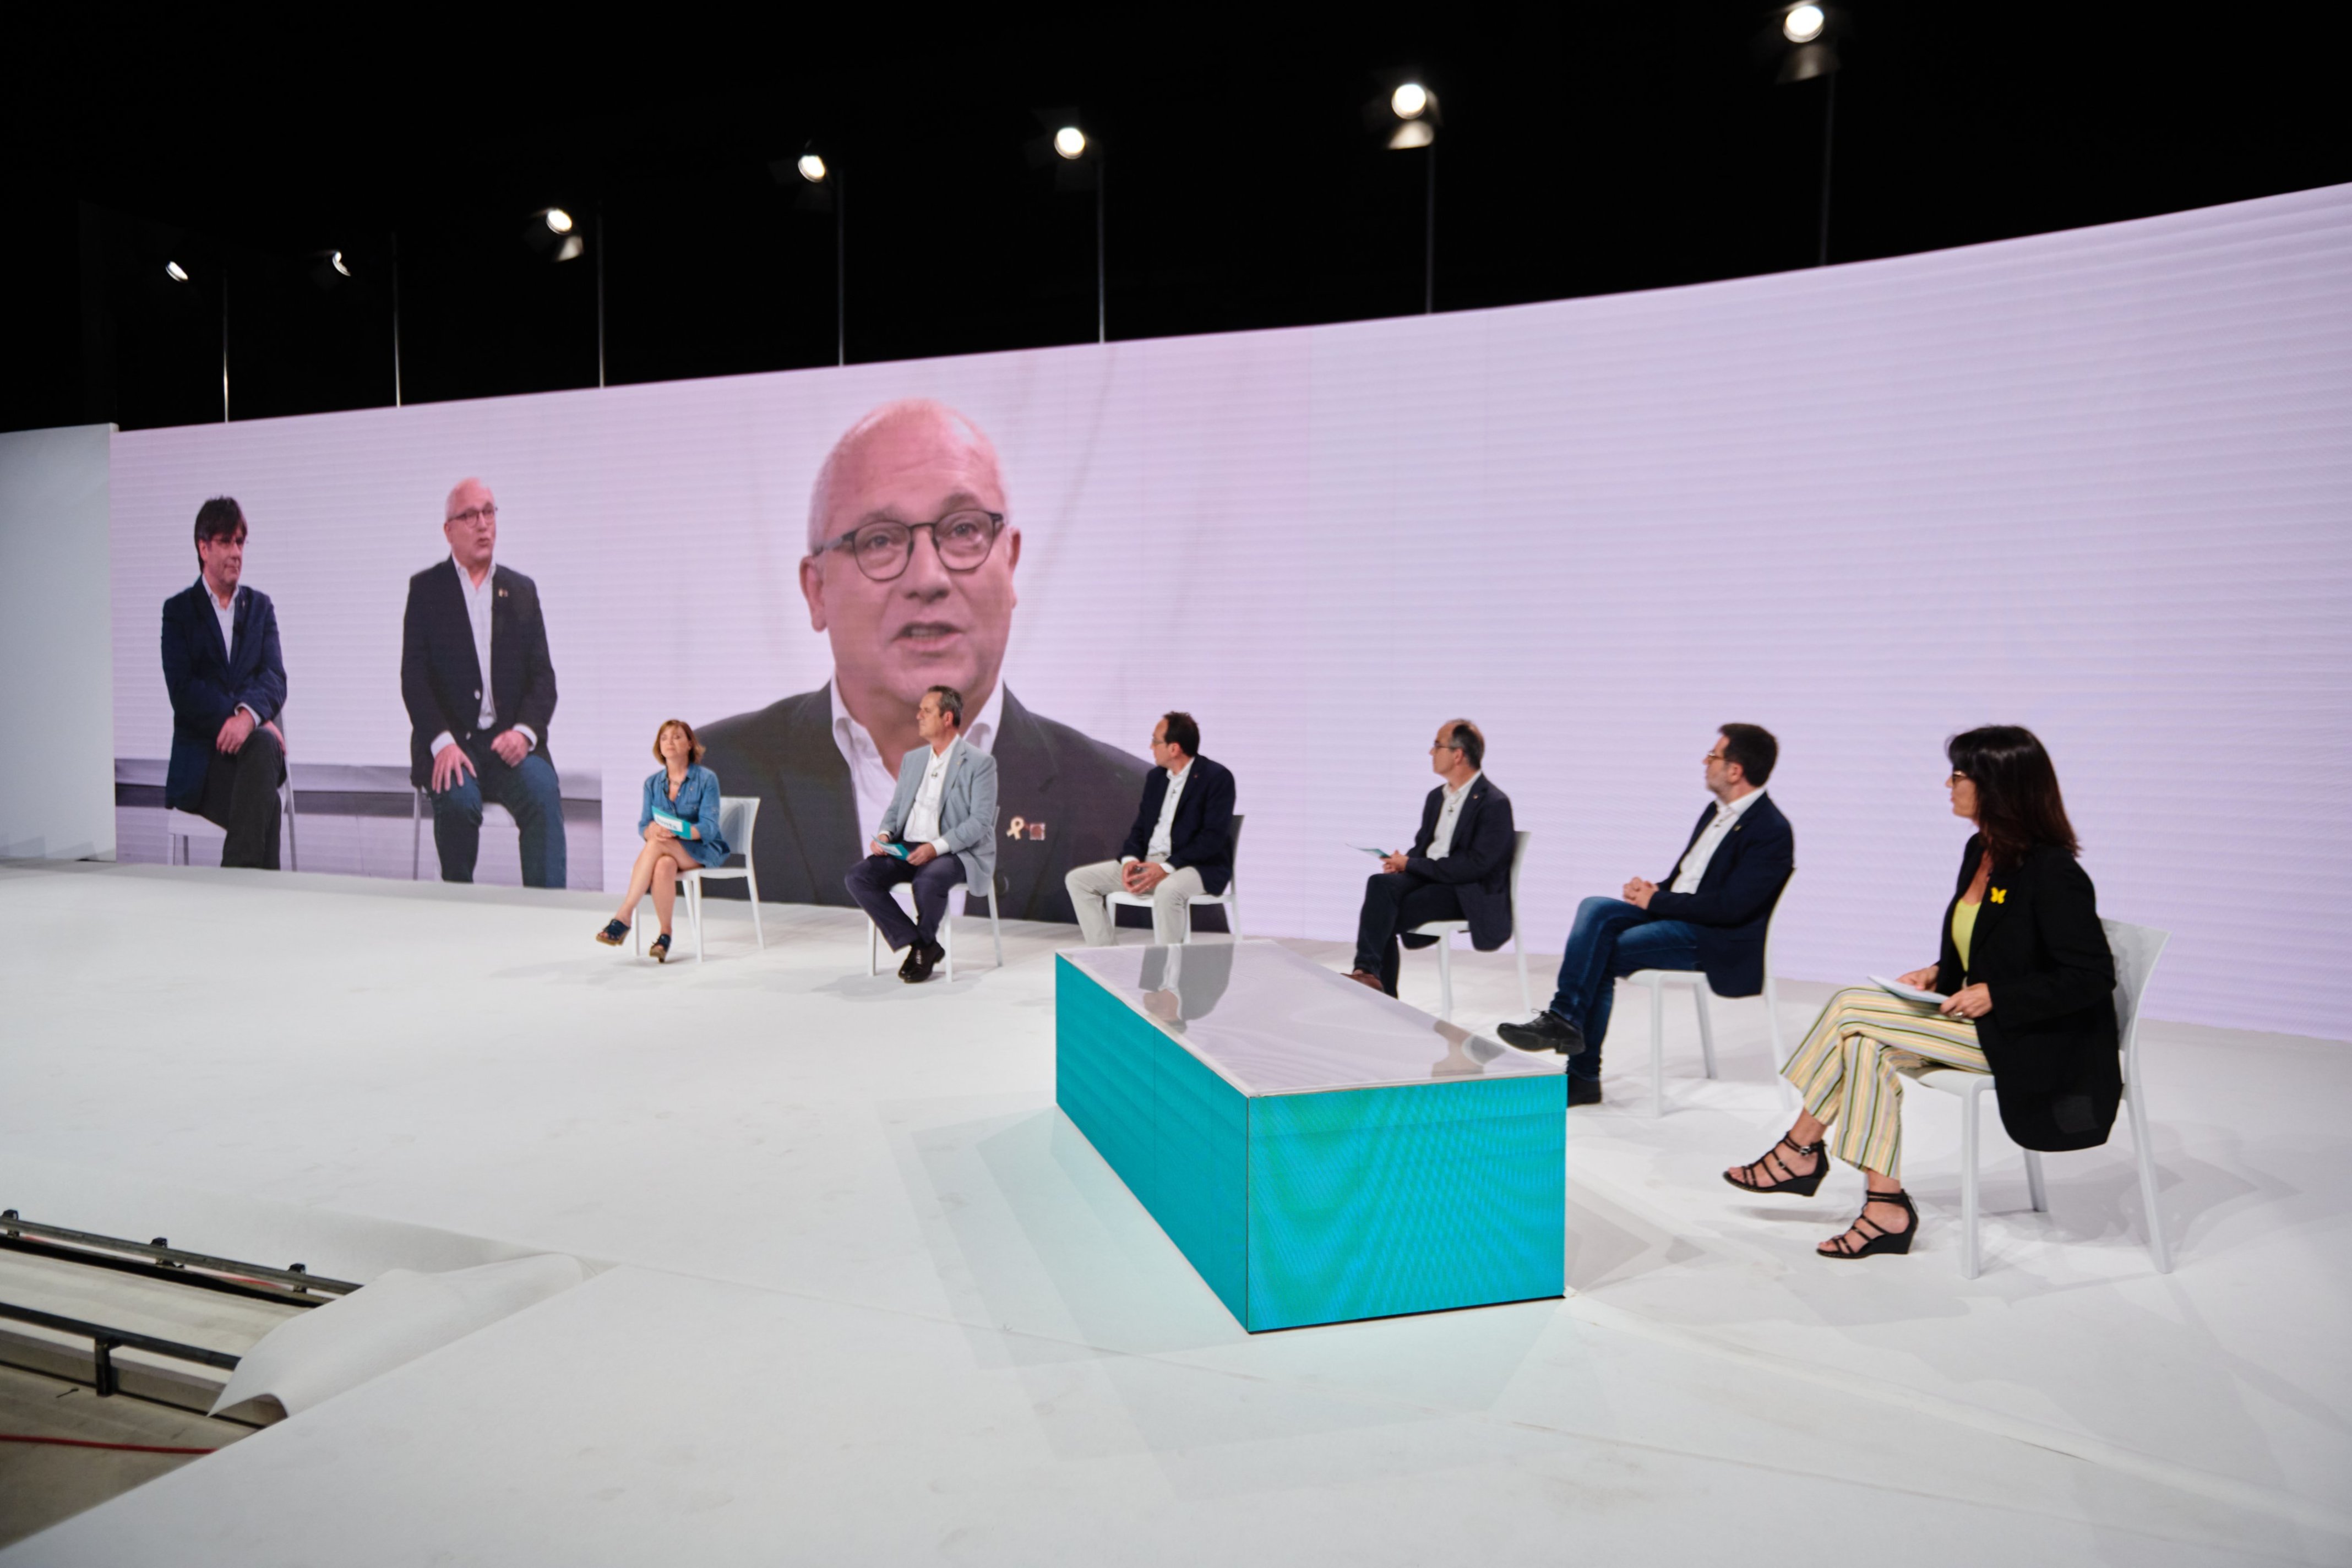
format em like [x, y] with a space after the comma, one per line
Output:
[1444, 932]
[737, 813]
[947, 929]
[1122, 898]
[1657, 980]
[183, 828]
[2136, 950]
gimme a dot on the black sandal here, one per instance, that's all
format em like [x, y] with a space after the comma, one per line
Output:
[660, 948]
[1877, 1239]
[1801, 1186]
[612, 934]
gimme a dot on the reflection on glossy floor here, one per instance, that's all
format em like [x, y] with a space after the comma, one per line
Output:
[872, 1300]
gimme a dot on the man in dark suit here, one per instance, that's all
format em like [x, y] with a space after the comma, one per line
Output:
[1459, 868]
[1710, 915]
[222, 666]
[1179, 849]
[908, 573]
[475, 674]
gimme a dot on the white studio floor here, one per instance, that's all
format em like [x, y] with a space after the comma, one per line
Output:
[864, 1296]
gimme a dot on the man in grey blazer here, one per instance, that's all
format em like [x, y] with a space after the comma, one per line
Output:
[940, 830]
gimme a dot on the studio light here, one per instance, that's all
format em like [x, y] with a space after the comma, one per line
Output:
[1407, 101]
[335, 260]
[1802, 25]
[1408, 118]
[552, 234]
[174, 271]
[1070, 141]
[812, 168]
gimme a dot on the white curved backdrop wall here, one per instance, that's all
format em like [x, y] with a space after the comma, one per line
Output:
[2099, 483]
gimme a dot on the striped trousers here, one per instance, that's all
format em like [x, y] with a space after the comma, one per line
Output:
[1846, 1069]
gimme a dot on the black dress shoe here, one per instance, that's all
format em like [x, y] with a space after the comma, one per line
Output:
[907, 965]
[1583, 1091]
[921, 960]
[1545, 1032]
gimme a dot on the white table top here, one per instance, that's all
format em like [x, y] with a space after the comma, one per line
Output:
[1269, 1022]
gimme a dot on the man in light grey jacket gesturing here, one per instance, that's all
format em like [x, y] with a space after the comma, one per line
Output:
[940, 829]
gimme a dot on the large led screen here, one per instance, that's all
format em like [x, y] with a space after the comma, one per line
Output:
[2099, 483]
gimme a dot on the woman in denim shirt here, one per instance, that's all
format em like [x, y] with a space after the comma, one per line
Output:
[684, 790]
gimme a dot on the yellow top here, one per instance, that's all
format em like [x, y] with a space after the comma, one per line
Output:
[1964, 929]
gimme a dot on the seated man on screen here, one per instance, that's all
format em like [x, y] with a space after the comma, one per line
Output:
[475, 674]
[1710, 916]
[227, 682]
[1458, 868]
[909, 570]
[940, 830]
[1180, 847]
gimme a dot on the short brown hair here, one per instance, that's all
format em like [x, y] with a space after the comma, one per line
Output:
[693, 746]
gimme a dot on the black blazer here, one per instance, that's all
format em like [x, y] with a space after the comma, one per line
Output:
[441, 679]
[209, 682]
[1074, 788]
[2051, 1037]
[1736, 895]
[1202, 836]
[1478, 866]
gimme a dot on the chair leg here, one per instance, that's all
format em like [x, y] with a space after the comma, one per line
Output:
[1779, 1056]
[694, 913]
[1445, 978]
[2146, 1158]
[1526, 997]
[947, 941]
[1705, 1029]
[752, 880]
[293, 849]
[2033, 1187]
[416, 828]
[1971, 1262]
[1657, 1048]
[873, 949]
[995, 932]
[637, 926]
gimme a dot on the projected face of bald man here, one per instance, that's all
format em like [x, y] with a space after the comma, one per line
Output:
[929, 626]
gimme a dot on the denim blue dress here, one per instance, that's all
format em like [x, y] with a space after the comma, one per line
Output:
[696, 803]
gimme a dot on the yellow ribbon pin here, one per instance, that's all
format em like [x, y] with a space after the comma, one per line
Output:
[1998, 895]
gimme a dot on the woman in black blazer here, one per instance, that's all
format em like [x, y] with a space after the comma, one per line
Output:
[2028, 987]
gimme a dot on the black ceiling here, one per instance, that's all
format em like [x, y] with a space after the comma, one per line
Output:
[1584, 150]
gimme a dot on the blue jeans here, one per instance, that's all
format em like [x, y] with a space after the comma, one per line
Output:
[530, 792]
[1613, 939]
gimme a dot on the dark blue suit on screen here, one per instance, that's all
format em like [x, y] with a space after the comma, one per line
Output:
[209, 681]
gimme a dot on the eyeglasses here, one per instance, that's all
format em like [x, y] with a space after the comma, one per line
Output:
[1958, 777]
[883, 548]
[475, 516]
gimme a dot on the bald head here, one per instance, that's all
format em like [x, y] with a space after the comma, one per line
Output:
[469, 521]
[913, 459]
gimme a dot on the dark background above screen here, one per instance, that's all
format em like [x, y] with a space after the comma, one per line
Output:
[1583, 151]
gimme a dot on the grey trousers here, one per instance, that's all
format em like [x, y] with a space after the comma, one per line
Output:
[1092, 886]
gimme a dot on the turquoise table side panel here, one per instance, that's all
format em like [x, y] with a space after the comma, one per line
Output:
[1173, 1130]
[1199, 1127]
[1102, 1077]
[1369, 1203]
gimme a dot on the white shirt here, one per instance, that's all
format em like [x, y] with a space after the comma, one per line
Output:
[874, 783]
[1709, 840]
[227, 616]
[478, 600]
[1441, 838]
[922, 824]
[1163, 835]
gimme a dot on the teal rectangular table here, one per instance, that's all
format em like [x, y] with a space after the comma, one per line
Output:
[1317, 1152]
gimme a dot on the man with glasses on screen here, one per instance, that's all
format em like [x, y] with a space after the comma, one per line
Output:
[475, 674]
[909, 574]
[1711, 915]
